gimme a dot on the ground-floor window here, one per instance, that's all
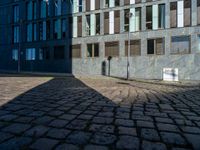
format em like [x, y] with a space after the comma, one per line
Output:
[44, 53]
[15, 54]
[75, 51]
[156, 46]
[112, 49]
[135, 47]
[30, 54]
[59, 52]
[93, 50]
[180, 45]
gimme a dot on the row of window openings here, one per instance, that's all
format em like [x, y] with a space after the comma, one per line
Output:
[63, 7]
[179, 45]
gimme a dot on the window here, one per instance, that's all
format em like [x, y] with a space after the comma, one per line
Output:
[57, 29]
[15, 54]
[75, 51]
[106, 23]
[187, 13]
[198, 12]
[180, 45]
[79, 26]
[126, 19]
[149, 17]
[93, 24]
[64, 23]
[116, 21]
[93, 50]
[34, 31]
[29, 37]
[30, 54]
[16, 13]
[161, 16]
[173, 14]
[135, 20]
[57, 7]
[44, 53]
[16, 34]
[112, 49]
[135, 47]
[42, 27]
[128, 2]
[59, 52]
[29, 10]
[44, 8]
[106, 3]
[156, 46]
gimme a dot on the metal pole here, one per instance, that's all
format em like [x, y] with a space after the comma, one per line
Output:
[128, 53]
[19, 49]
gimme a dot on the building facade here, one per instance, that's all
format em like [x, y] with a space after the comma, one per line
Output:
[78, 36]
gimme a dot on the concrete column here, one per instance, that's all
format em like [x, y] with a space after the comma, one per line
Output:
[83, 5]
[143, 44]
[101, 23]
[194, 44]
[143, 14]
[101, 49]
[83, 25]
[83, 50]
[194, 12]
[167, 15]
[122, 48]
[121, 21]
[121, 2]
[167, 45]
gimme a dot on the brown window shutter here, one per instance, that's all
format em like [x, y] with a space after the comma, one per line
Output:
[126, 2]
[97, 4]
[87, 5]
[160, 46]
[112, 49]
[135, 47]
[137, 1]
[198, 12]
[187, 13]
[75, 51]
[117, 22]
[79, 26]
[173, 14]
[106, 23]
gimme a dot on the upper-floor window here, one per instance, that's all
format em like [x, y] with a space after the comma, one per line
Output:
[44, 8]
[16, 13]
[16, 34]
[31, 10]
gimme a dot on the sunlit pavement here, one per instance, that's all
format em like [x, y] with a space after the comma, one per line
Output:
[97, 114]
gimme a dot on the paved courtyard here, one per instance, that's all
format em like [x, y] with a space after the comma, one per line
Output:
[97, 114]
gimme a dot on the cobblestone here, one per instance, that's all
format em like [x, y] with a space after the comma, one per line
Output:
[97, 113]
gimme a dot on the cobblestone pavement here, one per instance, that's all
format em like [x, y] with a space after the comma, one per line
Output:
[97, 114]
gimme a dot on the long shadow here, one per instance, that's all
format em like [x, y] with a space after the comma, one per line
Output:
[65, 113]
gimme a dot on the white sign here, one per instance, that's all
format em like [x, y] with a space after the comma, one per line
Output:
[170, 74]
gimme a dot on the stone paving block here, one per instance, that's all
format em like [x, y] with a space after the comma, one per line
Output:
[194, 140]
[146, 124]
[36, 131]
[8, 117]
[16, 128]
[55, 113]
[95, 147]
[164, 120]
[67, 117]
[77, 124]
[5, 136]
[85, 117]
[173, 138]
[78, 137]
[58, 123]
[45, 120]
[127, 131]
[58, 133]
[16, 143]
[167, 127]
[103, 138]
[128, 142]
[124, 122]
[150, 134]
[188, 129]
[146, 145]
[102, 128]
[67, 147]
[102, 120]
[24, 119]
[44, 144]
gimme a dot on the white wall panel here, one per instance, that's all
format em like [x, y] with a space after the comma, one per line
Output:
[180, 14]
